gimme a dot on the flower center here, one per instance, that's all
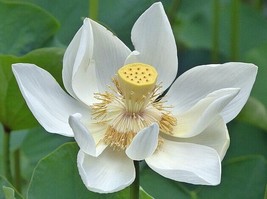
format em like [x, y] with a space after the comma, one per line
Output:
[131, 106]
[137, 80]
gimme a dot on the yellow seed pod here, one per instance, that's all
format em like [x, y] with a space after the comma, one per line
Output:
[137, 80]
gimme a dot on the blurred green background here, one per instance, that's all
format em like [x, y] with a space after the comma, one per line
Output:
[206, 31]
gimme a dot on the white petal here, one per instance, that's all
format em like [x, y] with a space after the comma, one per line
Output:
[196, 83]
[50, 105]
[85, 83]
[215, 136]
[144, 143]
[196, 119]
[84, 138]
[97, 130]
[109, 54]
[78, 53]
[110, 172]
[152, 36]
[132, 58]
[186, 162]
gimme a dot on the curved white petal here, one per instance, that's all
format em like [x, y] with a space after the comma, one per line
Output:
[78, 53]
[85, 83]
[144, 143]
[215, 136]
[50, 105]
[152, 36]
[132, 58]
[196, 83]
[84, 138]
[196, 119]
[109, 54]
[97, 130]
[186, 162]
[110, 172]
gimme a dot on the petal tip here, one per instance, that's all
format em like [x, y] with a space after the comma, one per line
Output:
[75, 116]
[87, 21]
[16, 66]
[157, 4]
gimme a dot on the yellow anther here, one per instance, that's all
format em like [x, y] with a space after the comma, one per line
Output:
[137, 80]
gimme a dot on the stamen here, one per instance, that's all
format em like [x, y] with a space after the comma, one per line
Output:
[118, 140]
[100, 109]
[167, 122]
[160, 143]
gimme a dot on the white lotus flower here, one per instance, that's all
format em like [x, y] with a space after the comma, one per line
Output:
[114, 113]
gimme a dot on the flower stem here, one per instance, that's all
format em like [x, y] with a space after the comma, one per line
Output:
[134, 189]
[173, 11]
[93, 9]
[6, 154]
[17, 169]
[215, 31]
[234, 30]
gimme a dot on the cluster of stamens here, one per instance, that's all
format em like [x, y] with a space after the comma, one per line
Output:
[131, 106]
